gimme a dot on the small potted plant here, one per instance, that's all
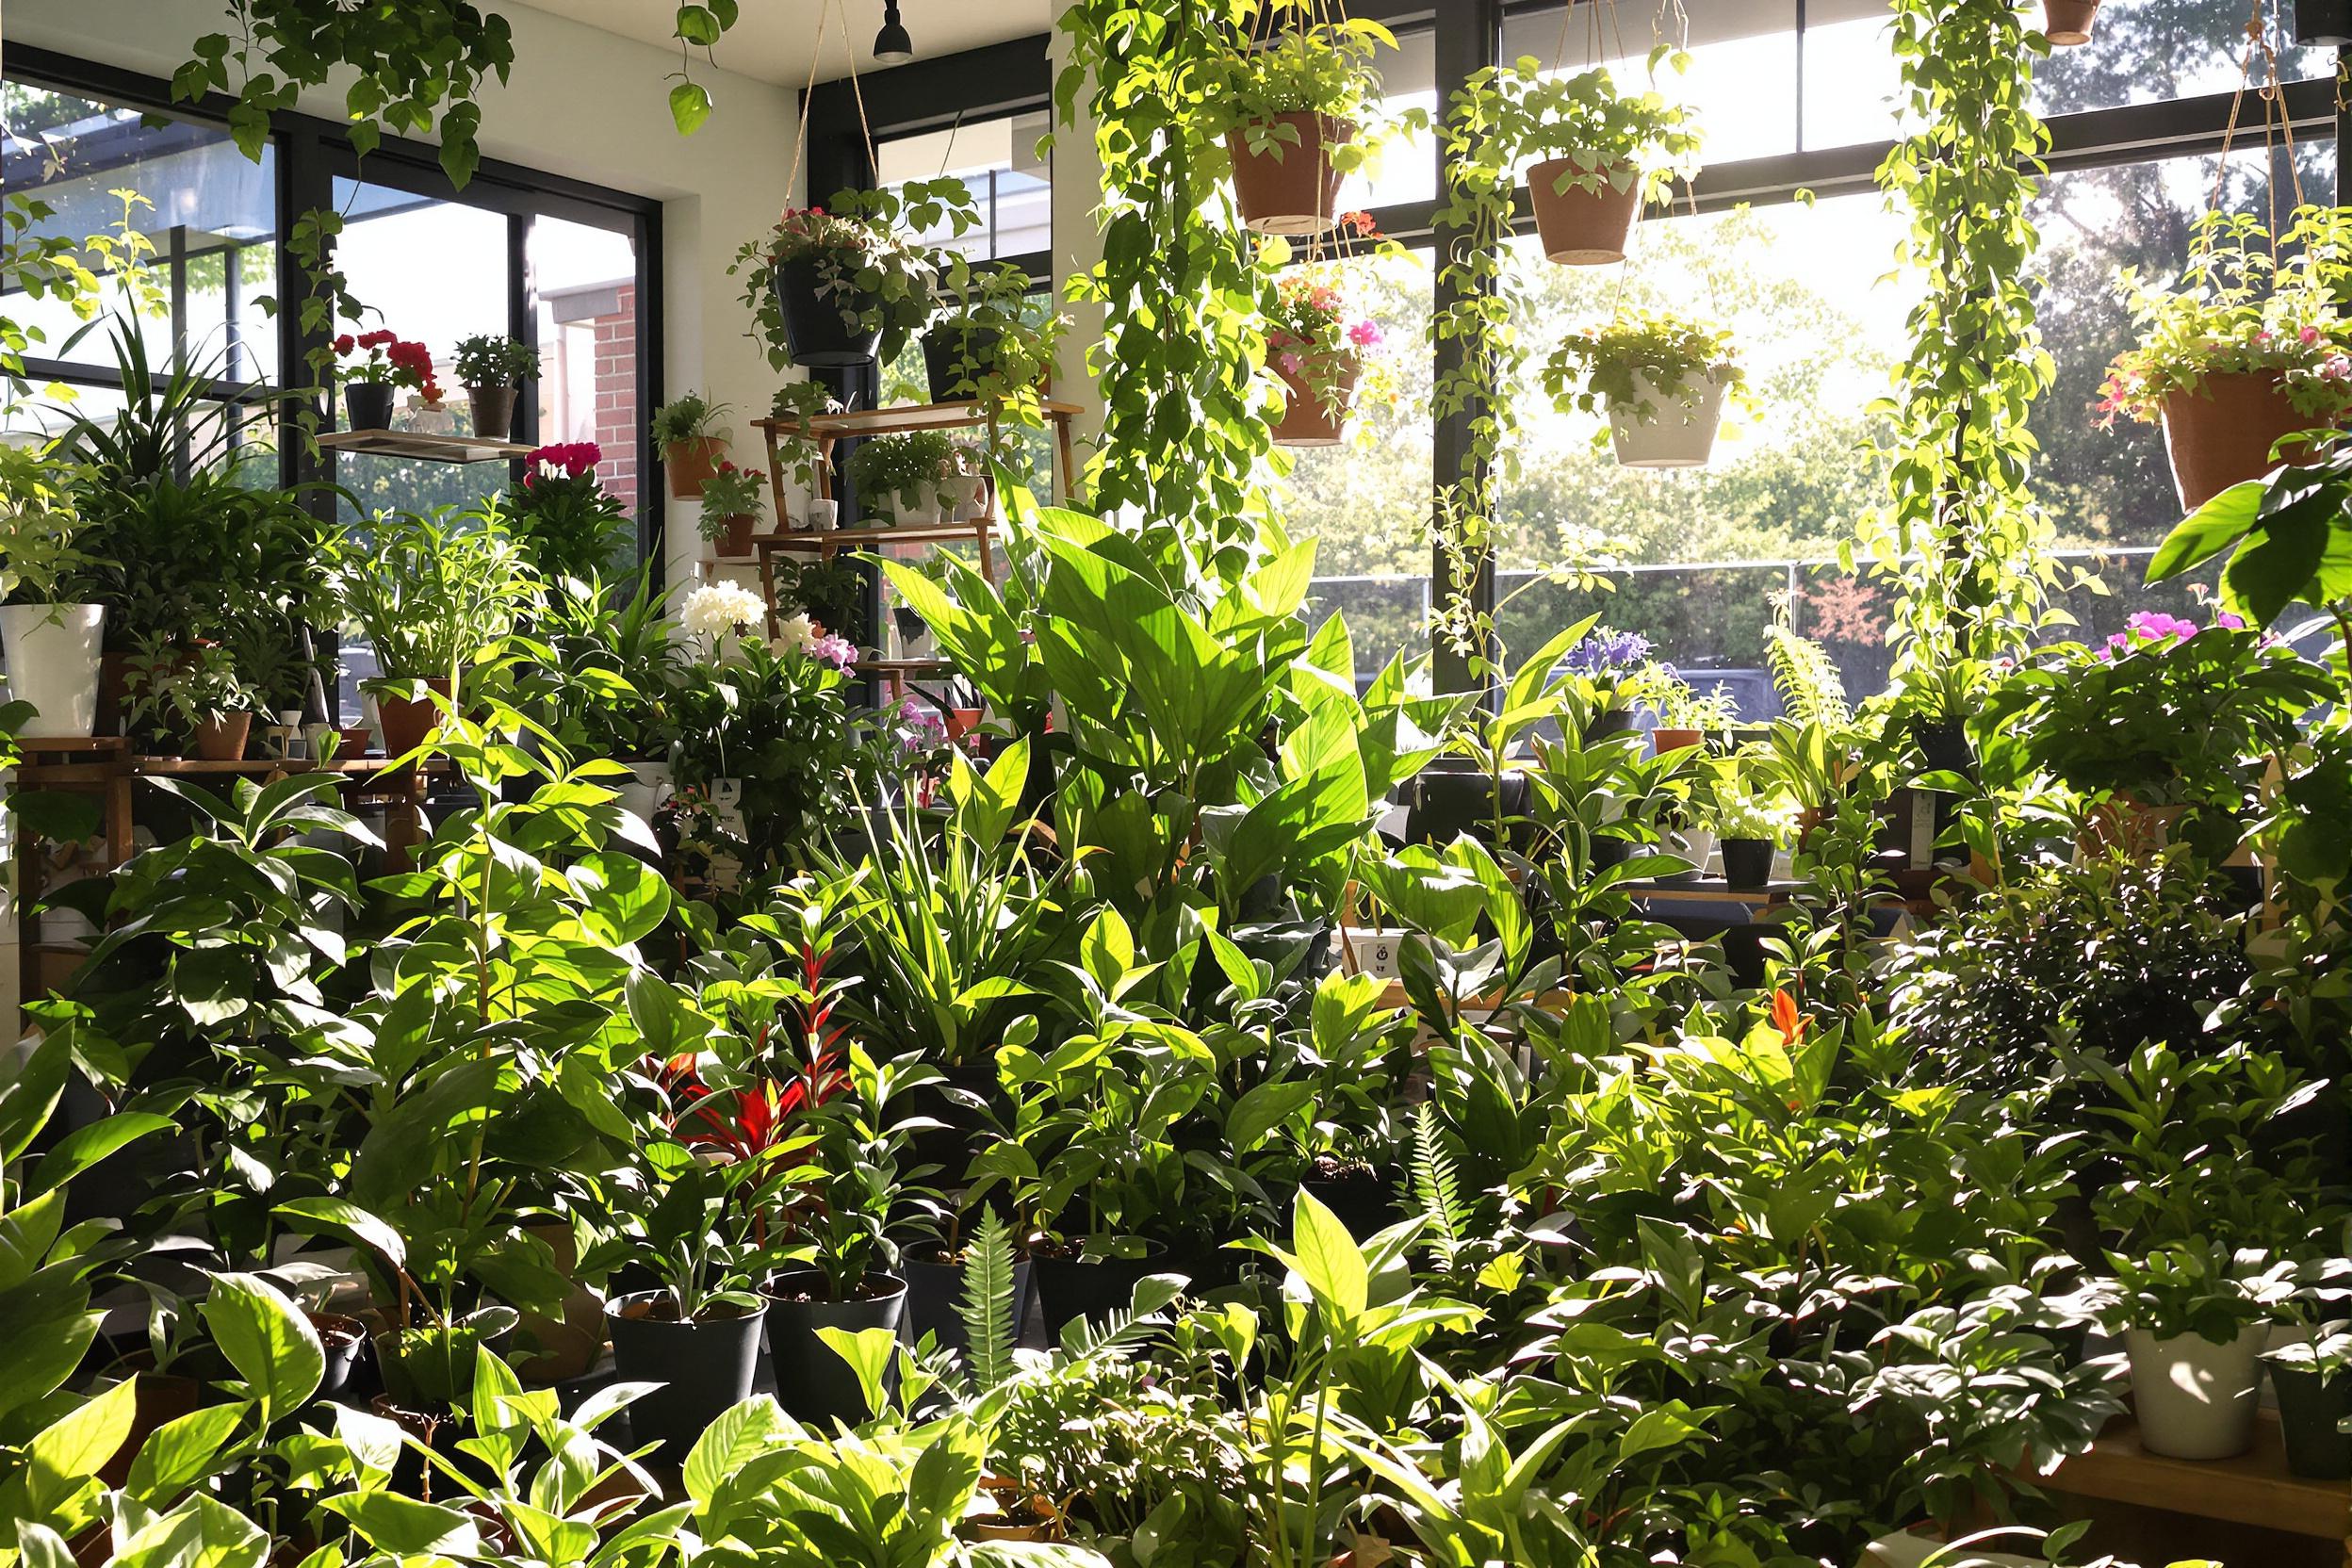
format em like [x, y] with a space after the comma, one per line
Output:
[796, 407]
[732, 500]
[1751, 830]
[2312, 1377]
[1663, 381]
[387, 363]
[690, 433]
[492, 367]
[846, 286]
[1621, 669]
[994, 344]
[2247, 361]
[902, 474]
[1297, 116]
[696, 1332]
[194, 696]
[1602, 152]
[1687, 716]
[2196, 1319]
[1316, 343]
[2067, 23]
[52, 644]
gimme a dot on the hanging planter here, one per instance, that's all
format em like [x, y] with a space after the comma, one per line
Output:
[1599, 152]
[1663, 381]
[2067, 23]
[1285, 181]
[2250, 349]
[1299, 111]
[844, 287]
[52, 652]
[1321, 395]
[687, 431]
[1320, 343]
[956, 354]
[1583, 225]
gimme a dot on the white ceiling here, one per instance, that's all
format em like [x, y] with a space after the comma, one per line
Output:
[774, 39]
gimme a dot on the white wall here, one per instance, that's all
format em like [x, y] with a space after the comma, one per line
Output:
[582, 103]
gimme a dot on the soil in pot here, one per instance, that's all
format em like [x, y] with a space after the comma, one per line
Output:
[493, 410]
[813, 1384]
[734, 538]
[1578, 227]
[1747, 864]
[2066, 23]
[1291, 188]
[1322, 393]
[2222, 434]
[705, 1365]
[954, 355]
[368, 405]
[1071, 1287]
[2195, 1397]
[816, 333]
[690, 463]
[408, 719]
[224, 740]
[2308, 1408]
[935, 1294]
[1354, 1191]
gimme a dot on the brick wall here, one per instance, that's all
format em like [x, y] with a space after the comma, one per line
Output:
[618, 416]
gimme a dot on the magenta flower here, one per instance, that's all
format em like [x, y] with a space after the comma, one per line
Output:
[1365, 334]
[840, 652]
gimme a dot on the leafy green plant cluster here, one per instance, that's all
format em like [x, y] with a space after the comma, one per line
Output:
[1609, 138]
[493, 359]
[688, 416]
[908, 464]
[1637, 361]
[1305, 66]
[864, 264]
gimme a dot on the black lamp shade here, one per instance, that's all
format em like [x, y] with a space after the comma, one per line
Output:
[891, 46]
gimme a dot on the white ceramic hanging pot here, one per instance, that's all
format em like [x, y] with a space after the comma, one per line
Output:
[51, 654]
[2197, 1398]
[1679, 432]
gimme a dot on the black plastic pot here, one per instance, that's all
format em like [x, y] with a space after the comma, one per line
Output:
[967, 1127]
[1069, 1289]
[345, 1340]
[953, 344]
[1611, 721]
[1943, 746]
[1454, 796]
[704, 1365]
[368, 405]
[812, 1382]
[815, 333]
[935, 1291]
[1747, 864]
[2309, 1408]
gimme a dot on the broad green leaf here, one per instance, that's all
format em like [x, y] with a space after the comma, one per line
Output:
[69, 1451]
[406, 1527]
[86, 1146]
[1328, 1260]
[268, 1340]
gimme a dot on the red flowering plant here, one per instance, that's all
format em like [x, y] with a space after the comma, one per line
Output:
[388, 360]
[566, 520]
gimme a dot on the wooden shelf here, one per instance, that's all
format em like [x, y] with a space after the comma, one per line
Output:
[2253, 1489]
[1394, 995]
[852, 538]
[259, 767]
[418, 445]
[963, 414]
[61, 745]
[878, 665]
[1710, 890]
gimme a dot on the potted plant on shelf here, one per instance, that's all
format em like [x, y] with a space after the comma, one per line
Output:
[1602, 152]
[2196, 1318]
[430, 598]
[1316, 342]
[492, 367]
[848, 285]
[903, 471]
[387, 364]
[1687, 716]
[796, 406]
[1751, 829]
[2247, 361]
[994, 342]
[2312, 1377]
[1297, 114]
[732, 500]
[1663, 381]
[696, 1330]
[688, 429]
[52, 646]
[193, 695]
[1619, 670]
[830, 591]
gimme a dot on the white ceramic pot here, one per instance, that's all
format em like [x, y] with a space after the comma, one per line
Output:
[51, 656]
[968, 497]
[1677, 434]
[1380, 951]
[914, 508]
[647, 786]
[2197, 1398]
[824, 515]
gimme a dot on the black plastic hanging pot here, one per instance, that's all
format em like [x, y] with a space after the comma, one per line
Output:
[812, 1382]
[2326, 24]
[816, 333]
[704, 1366]
[955, 354]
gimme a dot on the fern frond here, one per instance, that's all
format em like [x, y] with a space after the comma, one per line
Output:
[1120, 1330]
[1436, 1186]
[987, 1307]
[1810, 687]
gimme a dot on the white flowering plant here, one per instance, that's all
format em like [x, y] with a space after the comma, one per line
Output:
[718, 610]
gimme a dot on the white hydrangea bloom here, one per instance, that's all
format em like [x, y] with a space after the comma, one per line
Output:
[722, 609]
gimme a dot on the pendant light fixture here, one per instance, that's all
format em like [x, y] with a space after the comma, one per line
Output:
[891, 46]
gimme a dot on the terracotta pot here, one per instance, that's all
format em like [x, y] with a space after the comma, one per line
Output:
[492, 409]
[1663, 739]
[222, 740]
[2066, 23]
[408, 719]
[1322, 394]
[1291, 188]
[352, 742]
[963, 720]
[1578, 227]
[2124, 825]
[2222, 434]
[734, 537]
[690, 463]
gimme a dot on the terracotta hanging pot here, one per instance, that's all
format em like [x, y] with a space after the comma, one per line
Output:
[1578, 227]
[2222, 434]
[1322, 394]
[2066, 23]
[690, 463]
[1291, 188]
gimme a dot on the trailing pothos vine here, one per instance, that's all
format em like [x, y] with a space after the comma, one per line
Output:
[1962, 538]
[1183, 430]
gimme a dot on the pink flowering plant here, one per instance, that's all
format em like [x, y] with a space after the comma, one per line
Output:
[1320, 335]
[563, 515]
[2243, 307]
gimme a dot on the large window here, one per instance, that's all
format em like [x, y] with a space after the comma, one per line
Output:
[1000, 162]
